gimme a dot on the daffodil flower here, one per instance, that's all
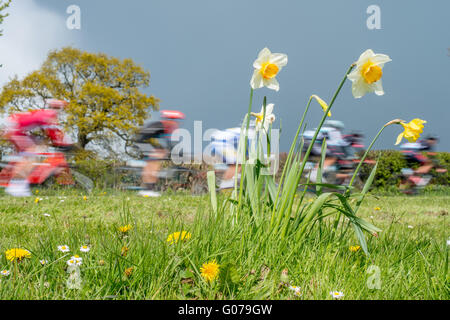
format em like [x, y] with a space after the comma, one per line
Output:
[366, 77]
[322, 103]
[412, 130]
[267, 66]
[264, 121]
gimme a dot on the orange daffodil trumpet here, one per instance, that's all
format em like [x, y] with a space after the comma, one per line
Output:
[412, 131]
[267, 66]
[264, 120]
[366, 77]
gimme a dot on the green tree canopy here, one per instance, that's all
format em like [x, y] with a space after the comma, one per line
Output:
[105, 101]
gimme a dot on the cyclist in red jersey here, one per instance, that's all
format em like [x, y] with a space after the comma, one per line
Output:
[18, 132]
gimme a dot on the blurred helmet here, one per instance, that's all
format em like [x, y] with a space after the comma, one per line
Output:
[56, 104]
[335, 124]
[172, 114]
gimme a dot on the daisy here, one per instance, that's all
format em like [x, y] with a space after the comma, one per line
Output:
[296, 290]
[64, 248]
[43, 262]
[4, 273]
[85, 249]
[337, 294]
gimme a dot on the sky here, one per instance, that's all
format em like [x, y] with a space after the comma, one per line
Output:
[200, 55]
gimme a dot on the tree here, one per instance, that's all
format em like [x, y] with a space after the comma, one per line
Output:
[3, 6]
[103, 92]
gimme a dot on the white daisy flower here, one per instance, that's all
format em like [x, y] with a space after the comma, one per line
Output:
[267, 66]
[64, 248]
[46, 215]
[337, 294]
[75, 261]
[296, 290]
[448, 242]
[366, 77]
[4, 273]
[85, 249]
[410, 227]
[43, 262]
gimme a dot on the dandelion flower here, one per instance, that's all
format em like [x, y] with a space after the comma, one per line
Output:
[17, 254]
[267, 119]
[64, 248]
[267, 66]
[124, 251]
[125, 229]
[129, 271]
[85, 249]
[368, 73]
[4, 273]
[37, 200]
[354, 248]
[412, 131]
[84, 198]
[337, 294]
[377, 208]
[210, 270]
[178, 236]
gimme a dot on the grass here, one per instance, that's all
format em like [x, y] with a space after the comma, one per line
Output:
[411, 254]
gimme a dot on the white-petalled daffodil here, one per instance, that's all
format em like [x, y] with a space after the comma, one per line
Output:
[4, 273]
[322, 103]
[85, 249]
[337, 294]
[366, 77]
[267, 66]
[264, 120]
[64, 248]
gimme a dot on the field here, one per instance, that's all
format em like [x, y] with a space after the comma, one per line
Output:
[408, 259]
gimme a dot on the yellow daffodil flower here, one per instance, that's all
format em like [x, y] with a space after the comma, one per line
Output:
[322, 103]
[412, 130]
[267, 66]
[366, 77]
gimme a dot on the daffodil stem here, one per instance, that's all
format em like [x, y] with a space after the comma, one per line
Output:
[245, 153]
[361, 161]
[325, 115]
[289, 159]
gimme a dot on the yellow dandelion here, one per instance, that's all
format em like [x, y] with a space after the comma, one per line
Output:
[124, 251]
[377, 208]
[354, 248]
[37, 200]
[176, 236]
[129, 271]
[210, 270]
[36, 192]
[125, 229]
[17, 254]
[84, 198]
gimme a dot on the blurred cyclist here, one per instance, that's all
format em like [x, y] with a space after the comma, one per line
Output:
[413, 154]
[224, 146]
[332, 131]
[19, 132]
[154, 140]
